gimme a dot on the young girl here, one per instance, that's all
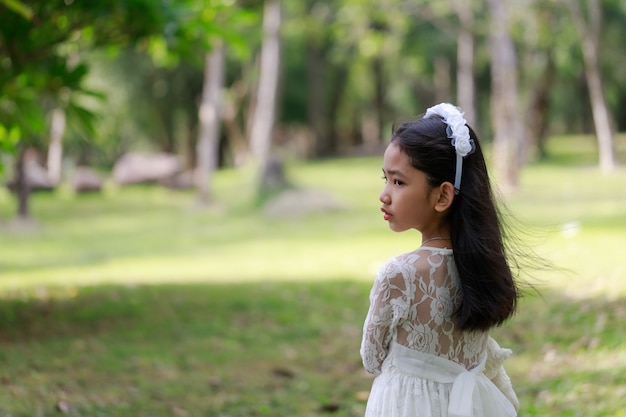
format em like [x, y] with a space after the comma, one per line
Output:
[426, 335]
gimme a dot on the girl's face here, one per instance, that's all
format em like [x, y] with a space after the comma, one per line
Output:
[408, 200]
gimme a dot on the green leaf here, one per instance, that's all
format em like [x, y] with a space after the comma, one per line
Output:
[19, 8]
[9, 138]
[83, 118]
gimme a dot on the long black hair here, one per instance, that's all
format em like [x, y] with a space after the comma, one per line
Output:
[490, 293]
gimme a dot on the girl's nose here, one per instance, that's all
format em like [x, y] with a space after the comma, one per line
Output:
[384, 197]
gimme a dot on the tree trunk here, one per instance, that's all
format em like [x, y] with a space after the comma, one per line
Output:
[379, 100]
[599, 108]
[182, 131]
[209, 132]
[590, 34]
[236, 135]
[442, 79]
[539, 109]
[337, 90]
[22, 187]
[465, 61]
[265, 108]
[508, 137]
[316, 108]
[55, 148]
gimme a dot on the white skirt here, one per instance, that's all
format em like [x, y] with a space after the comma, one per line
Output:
[417, 384]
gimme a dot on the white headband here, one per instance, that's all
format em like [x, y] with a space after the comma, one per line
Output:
[458, 132]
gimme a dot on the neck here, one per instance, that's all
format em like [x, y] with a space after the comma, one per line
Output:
[435, 238]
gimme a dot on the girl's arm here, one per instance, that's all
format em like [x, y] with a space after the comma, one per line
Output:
[387, 308]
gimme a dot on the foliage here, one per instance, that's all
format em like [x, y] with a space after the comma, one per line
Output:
[160, 99]
[42, 52]
[8, 141]
[159, 86]
[380, 56]
[18, 7]
[375, 56]
[195, 28]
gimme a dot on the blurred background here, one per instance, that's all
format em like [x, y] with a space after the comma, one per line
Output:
[189, 220]
[226, 84]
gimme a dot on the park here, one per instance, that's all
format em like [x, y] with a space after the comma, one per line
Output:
[236, 284]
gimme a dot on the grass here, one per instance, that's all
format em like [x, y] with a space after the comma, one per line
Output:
[184, 350]
[137, 302]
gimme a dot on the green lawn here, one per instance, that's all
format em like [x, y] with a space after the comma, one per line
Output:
[137, 302]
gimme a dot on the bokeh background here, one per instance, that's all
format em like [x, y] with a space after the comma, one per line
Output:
[189, 222]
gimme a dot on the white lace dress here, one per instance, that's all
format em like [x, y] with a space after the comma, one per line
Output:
[425, 366]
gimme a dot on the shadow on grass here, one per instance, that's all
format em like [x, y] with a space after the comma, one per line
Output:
[270, 349]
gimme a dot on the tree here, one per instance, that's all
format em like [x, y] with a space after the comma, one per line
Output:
[326, 81]
[208, 29]
[465, 59]
[209, 117]
[504, 99]
[267, 96]
[222, 24]
[589, 30]
[37, 38]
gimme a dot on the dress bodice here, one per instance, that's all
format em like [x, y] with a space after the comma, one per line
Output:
[425, 365]
[412, 303]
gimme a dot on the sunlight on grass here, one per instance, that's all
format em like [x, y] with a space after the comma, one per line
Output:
[146, 234]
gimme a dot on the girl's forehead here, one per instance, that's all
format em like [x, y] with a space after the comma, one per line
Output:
[395, 158]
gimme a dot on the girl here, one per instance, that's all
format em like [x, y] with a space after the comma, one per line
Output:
[426, 335]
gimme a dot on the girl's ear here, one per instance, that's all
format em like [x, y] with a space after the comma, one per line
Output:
[446, 197]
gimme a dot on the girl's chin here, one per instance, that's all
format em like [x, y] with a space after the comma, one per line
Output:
[396, 228]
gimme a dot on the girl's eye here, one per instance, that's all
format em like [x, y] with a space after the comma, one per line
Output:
[394, 182]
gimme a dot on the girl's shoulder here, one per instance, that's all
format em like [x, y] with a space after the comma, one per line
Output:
[420, 260]
[424, 255]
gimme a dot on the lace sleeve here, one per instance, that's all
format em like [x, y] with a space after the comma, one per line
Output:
[388, 305]
[495, 371]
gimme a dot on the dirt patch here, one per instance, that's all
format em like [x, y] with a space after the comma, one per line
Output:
[296, 203]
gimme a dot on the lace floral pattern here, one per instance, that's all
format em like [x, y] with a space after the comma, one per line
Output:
[412, 303]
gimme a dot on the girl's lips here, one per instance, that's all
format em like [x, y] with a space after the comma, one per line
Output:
[386, 214]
